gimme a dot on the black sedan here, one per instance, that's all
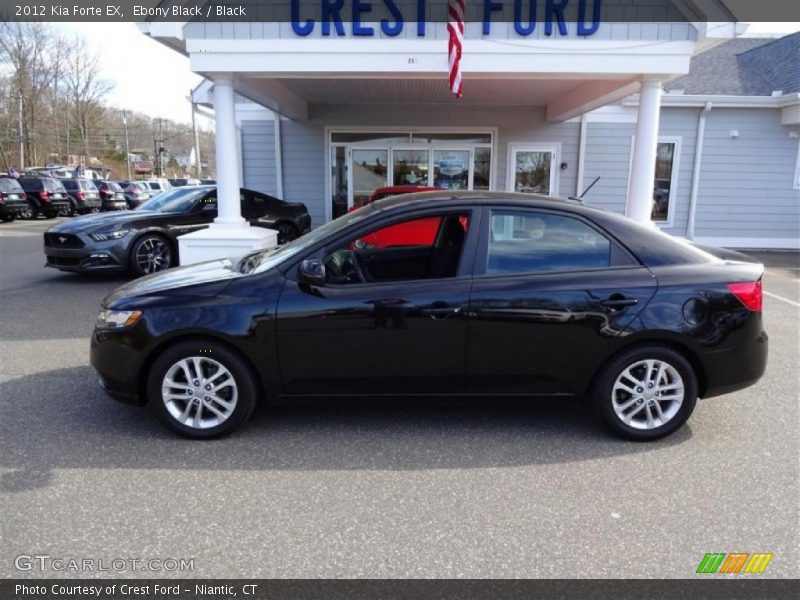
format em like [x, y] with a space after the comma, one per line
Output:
[513, 295]
[144, 240]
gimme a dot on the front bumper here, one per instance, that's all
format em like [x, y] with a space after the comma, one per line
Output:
[89, 256]
[116, 356]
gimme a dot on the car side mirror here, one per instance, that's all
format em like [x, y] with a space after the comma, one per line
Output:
[312, 272]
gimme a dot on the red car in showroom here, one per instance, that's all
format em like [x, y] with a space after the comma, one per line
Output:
[415, 233]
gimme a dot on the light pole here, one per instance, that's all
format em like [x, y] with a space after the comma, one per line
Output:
[127, 148]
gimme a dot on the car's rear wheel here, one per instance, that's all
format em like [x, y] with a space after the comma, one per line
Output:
[8, 218]
[202, 389]
[28, 213]
[286, 232]
[151, 253]
[646, 393]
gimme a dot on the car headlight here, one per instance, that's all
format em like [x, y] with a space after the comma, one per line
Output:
[116, 319]
[109, 235]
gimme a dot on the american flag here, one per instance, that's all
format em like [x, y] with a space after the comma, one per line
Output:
[455, 27]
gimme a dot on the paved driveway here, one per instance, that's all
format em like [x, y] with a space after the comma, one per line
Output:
[394, 490]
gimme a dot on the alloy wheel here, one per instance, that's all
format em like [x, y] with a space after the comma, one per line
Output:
[199, 392]
[647, 394]
[152, 254]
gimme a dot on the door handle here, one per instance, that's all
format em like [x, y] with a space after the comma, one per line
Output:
[440, 310]
[618, 302]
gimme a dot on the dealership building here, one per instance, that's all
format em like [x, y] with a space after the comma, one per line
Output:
[682, 123]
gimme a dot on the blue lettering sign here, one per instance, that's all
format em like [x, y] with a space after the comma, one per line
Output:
[519, 27]
[386, 25]
[303, 28]
[488, 7]
[359, 6]
[330, 12]
[421, 18]
[582, 28]
[555, 10]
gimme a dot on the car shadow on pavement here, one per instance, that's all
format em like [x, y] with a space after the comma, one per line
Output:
[70, 423]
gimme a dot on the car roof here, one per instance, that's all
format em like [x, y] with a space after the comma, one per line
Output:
[451, 196]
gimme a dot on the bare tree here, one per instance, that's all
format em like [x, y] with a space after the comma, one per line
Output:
[85, 89]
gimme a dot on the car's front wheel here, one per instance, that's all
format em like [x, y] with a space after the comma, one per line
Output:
[646, 393]
[150, 254]
[202, 389]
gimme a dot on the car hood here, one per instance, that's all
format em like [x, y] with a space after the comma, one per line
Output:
[206, 279]
[106, 221]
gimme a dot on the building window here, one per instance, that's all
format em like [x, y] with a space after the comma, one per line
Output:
[533, 169]
[665, 184]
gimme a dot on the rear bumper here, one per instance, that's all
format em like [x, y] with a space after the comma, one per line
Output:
[12, 208]
[114, 204]
[735, 368]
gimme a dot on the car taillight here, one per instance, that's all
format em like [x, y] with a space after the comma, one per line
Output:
[2, 197]
[81, 195]
[44, 196]
[749, 293]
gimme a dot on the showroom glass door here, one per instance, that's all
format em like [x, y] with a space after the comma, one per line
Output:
[452, 168]
[339, 182]
[370, 171]
[411, 166]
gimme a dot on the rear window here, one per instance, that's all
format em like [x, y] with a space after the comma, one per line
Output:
[114, 186]
[10, 186]
[154, 186]
[70, 184]
[89, 185]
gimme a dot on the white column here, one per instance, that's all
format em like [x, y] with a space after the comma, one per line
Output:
[229, 236]
[643, 166]
[229, 211]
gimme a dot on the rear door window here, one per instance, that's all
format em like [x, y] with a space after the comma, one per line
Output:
[528, 242]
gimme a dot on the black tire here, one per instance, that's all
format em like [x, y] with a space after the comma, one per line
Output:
[247, 389]
[29, 213]
[286, 232]
[139, 246]
[604, 398]
[50, 214]
[8, 218]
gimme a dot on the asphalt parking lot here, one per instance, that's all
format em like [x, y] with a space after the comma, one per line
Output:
[394, 490]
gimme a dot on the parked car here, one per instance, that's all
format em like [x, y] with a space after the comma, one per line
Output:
[183, 181]
[144, 240]
[12, 199]
[157, 186]
[83, 196]
[135, 192]
[208, 182]
[536, 297]
[46, 196]
[112, 196]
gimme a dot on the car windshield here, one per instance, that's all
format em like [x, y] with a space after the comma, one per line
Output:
[174, 201]
[263, 260]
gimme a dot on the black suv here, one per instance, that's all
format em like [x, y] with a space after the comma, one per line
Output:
[83, 196]
[46, 196]
[112, 195]
[12, 199]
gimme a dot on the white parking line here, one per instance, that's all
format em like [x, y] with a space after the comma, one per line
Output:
[792, 302]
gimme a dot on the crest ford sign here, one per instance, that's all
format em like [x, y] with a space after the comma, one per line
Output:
[335, 17]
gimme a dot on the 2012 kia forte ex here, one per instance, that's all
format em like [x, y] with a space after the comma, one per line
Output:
[512, 295]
